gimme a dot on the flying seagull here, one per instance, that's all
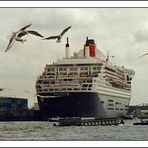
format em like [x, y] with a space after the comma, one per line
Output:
[58, 37]
[16, 36]
[2, 89]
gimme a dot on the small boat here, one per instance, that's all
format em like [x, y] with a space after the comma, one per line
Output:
[143, 117]
[143, 122]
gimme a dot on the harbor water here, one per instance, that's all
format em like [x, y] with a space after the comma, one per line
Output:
[41, 131]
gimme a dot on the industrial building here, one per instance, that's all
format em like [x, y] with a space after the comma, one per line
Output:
[12, 109]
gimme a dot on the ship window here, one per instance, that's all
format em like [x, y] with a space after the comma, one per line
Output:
[117, 108]
[51, 77]
[50, 69]
[62, 69]
[89, 88]
[89, 81]
[121, 108]
[45, 82]
[110, 101]
[85, 85]
[76, 89]
[52, 82]
[82, 68]
[83, 88]
[110, 104]
[50, 89]
[102, 101]
[118, 102]
[45, 89]
[90, 85]
[64, 73]
[71, 73]
[95, 68]
[110, 108]
[69, 89]
[39, 81]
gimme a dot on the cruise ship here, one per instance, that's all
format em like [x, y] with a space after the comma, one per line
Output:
[86, 84]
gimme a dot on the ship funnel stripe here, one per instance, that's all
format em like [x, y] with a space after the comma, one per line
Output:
[89, 48]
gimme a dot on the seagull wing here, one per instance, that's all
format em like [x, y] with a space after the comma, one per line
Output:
[11, 42]
[143, 55]
[22, 33]
[25, 27]
[51, 37]
[65, 30]
[34, 33]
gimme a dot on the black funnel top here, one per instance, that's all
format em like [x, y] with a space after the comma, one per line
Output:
[89, 41]
[67, 44]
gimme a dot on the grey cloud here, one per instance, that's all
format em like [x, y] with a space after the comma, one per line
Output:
[141, 36]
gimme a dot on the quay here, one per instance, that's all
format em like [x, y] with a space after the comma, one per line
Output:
[78, 121]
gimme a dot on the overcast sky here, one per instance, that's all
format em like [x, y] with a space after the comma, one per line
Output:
[123, 32]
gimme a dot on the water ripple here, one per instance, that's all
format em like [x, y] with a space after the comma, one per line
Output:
[43, 131]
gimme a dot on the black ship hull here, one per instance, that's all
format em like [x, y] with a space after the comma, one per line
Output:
[73, 104]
